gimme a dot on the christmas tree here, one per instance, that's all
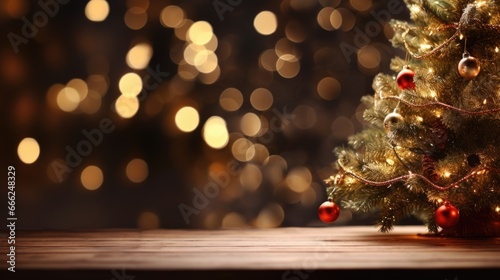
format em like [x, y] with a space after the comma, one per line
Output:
[432, 146]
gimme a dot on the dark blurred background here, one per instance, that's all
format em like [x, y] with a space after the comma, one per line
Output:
[183, 114]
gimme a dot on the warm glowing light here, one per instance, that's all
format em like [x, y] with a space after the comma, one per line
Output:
[239, 149]
[130, 85]
[328, 88]
[137, 170]
[270, 217]
[136, 18]
[323, 18]
[257, 153]
[92, 177]
[231, 99]
[497, 209]
[251, 177]
[215, 132]
[261, 99]
[369, 57]
[389, 161]
[191, 51]
[233, 220]
[265, 23]
[268, 59]
[425, 47]
[446, 174]
[97, 10]
[148, 220]
[200, 32]
[250, 124]
[172, 16]
[205, 61]
[288, 66]
[138, 57]
[361, 5]
[68, 99]
[415, 9]
[187, 119]
[299, 179]
[80, 86]
[420, 119]
[126, 107]
[336, 19]
[479, 4]
[28, 150]
[182, 29]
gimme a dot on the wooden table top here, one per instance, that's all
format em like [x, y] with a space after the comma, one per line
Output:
[292, 253]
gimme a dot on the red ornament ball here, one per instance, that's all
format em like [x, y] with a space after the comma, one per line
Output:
[447, 216]
[405, 79]
[328, 212]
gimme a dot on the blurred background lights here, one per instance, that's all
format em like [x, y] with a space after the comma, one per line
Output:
[97, 10]
[231, 99]
[80, 86]
[137, 170]
[261, 99]
[342, 19]
[270, 217]
[148, 220]
[68, 99]
[250, 177]
[138, 56]
[126, 107]
[250, 124]
[239, 149]
[172, 16]
[233, 220]
[92, 177]
[264, 104]
[187, 119]
[323, 18]
[136, 18]
[288, 66]
[265, 23]
[299, 179]
[200, 32]
[328, 88]
[215, 132]
[28, 150]
[205, 61]
[130, 84]
[361, 5]
[369, 57]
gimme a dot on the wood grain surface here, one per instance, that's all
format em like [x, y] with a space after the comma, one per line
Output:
[293, 252]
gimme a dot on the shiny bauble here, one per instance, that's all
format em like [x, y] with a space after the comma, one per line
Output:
[469, 67]
[392, 119]
[446, 216]
[328, 211]
[405, 79]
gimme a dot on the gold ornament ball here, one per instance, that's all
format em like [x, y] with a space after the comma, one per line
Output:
[392, 119]
[469, 67]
